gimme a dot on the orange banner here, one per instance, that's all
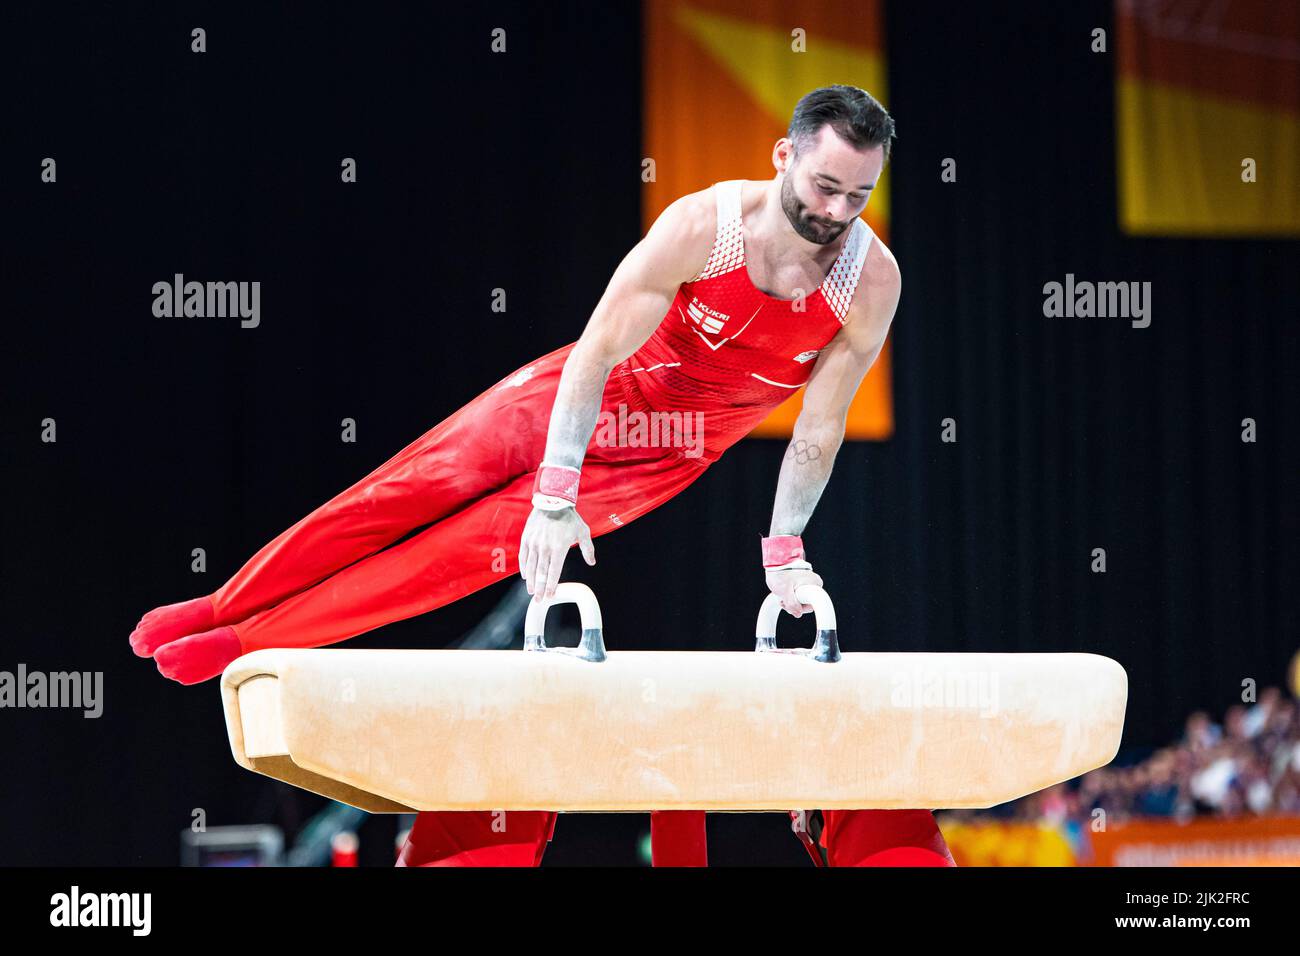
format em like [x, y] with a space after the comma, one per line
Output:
[1259, 841]
[721, 80]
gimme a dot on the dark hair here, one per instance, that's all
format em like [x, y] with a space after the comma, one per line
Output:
[855, 115]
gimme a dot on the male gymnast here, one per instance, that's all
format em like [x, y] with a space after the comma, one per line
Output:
[738, 295]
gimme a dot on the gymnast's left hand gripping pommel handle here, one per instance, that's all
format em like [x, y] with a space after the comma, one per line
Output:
[826, 646]
[592, 645]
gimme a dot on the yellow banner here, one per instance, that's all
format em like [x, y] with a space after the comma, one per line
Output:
[997, 843]
[1208, 118]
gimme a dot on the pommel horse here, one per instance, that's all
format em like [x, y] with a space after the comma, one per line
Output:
[581, 729]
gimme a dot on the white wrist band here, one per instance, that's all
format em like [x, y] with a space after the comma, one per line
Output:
[550, 502]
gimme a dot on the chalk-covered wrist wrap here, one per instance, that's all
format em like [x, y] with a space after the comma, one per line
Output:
[784, 552]
[556, 487]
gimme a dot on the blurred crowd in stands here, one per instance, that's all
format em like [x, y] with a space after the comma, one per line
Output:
[1249, 765]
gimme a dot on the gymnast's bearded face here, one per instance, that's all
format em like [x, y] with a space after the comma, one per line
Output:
[826, 184]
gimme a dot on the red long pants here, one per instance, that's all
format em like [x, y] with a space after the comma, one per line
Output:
[443, 518]
[677, 838]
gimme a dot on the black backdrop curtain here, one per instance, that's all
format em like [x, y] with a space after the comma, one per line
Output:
[521, 173]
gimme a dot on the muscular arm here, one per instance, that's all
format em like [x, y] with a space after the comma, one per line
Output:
[638, 296]
[841, 366]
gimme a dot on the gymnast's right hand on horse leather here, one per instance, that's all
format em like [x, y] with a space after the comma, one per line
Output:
[546, 541]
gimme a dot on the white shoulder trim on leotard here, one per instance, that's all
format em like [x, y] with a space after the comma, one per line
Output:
[842, 280]
[729, 243]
